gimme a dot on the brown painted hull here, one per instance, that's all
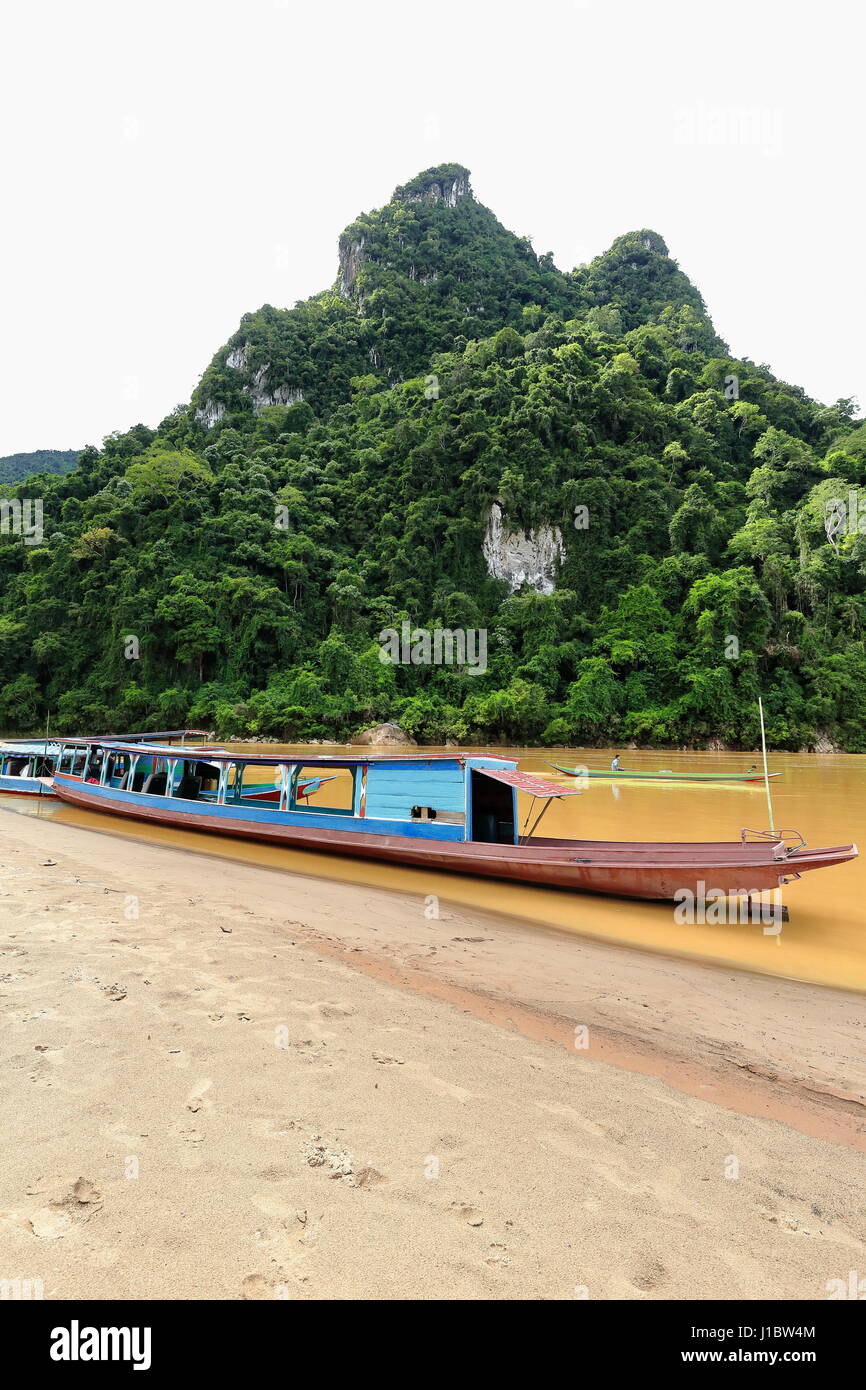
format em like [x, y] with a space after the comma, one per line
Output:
[621, 869]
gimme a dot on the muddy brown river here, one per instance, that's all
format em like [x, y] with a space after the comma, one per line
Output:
[822, 796]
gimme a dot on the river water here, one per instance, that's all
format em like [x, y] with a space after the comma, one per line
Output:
[822, 796]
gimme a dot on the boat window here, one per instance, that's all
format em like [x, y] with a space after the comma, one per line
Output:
[189, 782]
[252, 785]
[324, 789]
[155, 783]
[210, 777]
[118, 767]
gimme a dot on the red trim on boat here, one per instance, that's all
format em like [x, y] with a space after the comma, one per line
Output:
[618, 868]
[525, 782]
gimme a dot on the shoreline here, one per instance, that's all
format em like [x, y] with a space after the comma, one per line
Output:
[250, 740]
[407, 1040]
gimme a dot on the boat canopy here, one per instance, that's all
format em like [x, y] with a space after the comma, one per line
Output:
[222, 755]
[154, 735]
[28, 750]
[525, 782]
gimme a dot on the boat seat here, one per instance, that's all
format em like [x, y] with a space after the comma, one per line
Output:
[188, 788]
[155, 784]
[137, 783]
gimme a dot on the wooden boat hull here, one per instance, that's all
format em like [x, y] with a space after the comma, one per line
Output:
[623, 869]
[24, 786]
[628, 776]
[28, 786]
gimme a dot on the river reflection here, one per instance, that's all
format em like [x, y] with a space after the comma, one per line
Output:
[821, 795]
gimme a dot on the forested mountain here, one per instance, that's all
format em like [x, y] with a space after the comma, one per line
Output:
[15, 467]
[336, 473]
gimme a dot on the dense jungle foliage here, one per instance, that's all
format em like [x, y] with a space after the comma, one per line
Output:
[237, 576]
[15, 467]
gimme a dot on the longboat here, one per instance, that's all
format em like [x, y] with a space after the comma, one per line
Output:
[454, 812]
[663, 775]
[26, 764]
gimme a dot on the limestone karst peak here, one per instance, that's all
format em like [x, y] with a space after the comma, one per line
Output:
[446, 183]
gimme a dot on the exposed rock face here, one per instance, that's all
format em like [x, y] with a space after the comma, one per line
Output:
[237, 357]
[210, 413]
[255, 386]
[351, 253]
[520, 559]
[384, 736]
[447, 186]
[261, 395]
[445, 183]
[822, 743]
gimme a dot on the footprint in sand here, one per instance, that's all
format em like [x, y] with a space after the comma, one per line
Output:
[289, 1238]
[497, 1257]
[471, 1215]
[260, 1288]
[651, 1275]
[197, 1098]
[370, 1177]
[49, 1224]
[76, 1203]
[118, 1135]
[336, 1008]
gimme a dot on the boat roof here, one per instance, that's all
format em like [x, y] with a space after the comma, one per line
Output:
[21, 749]
[151, 736]
[223, 755]
[527, 782]
[154, 735]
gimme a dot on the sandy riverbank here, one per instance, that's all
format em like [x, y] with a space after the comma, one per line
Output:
[225, 1081]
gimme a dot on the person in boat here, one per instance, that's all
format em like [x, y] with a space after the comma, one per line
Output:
[615, 765]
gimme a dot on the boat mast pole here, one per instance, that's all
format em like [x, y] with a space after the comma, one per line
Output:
[47, 724]
[766, 775]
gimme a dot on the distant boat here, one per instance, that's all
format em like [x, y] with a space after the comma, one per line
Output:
[456, 812]
[664, 775]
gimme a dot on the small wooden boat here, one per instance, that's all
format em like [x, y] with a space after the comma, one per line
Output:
[454, 812]
[664, 775]
[25, 764]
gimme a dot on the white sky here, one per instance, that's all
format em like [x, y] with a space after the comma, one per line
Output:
[169, 165]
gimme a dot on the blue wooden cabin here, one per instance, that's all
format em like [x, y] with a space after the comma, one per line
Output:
[436, 797]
